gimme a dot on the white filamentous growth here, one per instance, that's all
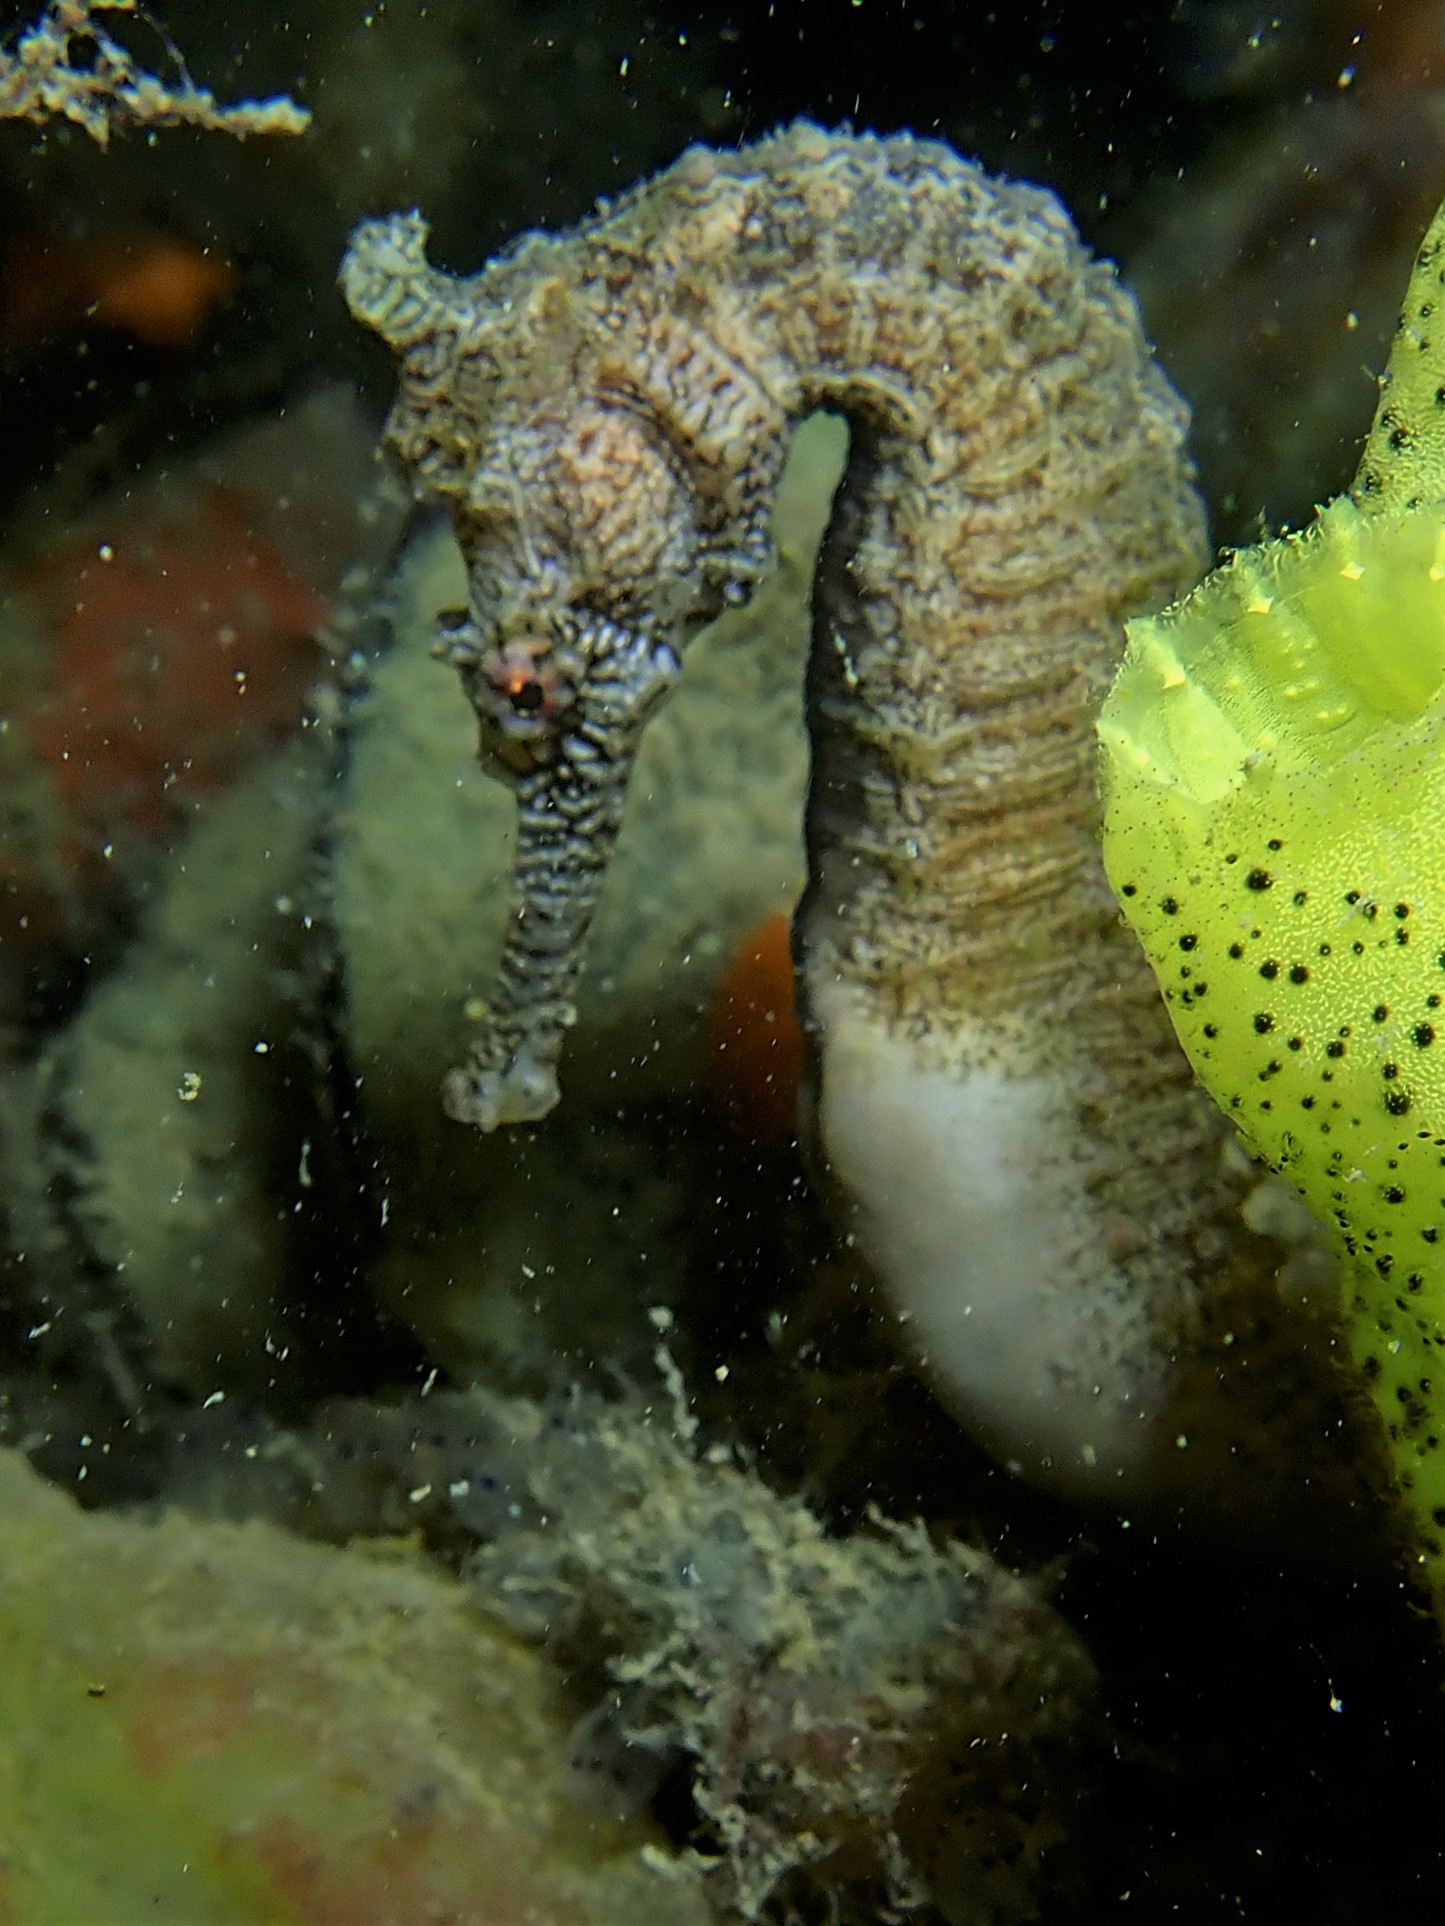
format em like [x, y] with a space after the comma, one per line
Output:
[965, 1200]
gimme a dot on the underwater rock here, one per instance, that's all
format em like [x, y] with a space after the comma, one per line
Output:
[161, 1167]
[143, 1149]
[1019, 1147]
[878, 1718]
[170, 635]
[221, 1723]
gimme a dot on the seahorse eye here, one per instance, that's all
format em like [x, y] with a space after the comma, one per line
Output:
[527, 694]
[523, 693]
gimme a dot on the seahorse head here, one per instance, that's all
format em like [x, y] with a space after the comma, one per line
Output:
[569, 525]
[578, 531]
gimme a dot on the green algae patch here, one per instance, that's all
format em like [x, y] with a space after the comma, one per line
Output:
[1274, 788]
[212, 1723]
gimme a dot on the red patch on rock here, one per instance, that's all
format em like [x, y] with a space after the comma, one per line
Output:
[184, 643]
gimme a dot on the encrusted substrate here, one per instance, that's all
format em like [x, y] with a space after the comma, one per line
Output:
[219, 1724]
[156, 1116]
[899, 1720]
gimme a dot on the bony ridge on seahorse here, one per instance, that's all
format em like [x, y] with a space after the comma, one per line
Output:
[1016, 1140]
[1274, 768]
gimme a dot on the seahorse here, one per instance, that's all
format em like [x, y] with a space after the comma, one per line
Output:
[1007, 1122]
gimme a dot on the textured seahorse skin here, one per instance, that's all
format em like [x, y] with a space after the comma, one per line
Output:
[604, 412]
[1276, 790]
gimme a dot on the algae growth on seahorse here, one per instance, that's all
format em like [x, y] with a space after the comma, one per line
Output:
[1018, 1144]
[1275, 798]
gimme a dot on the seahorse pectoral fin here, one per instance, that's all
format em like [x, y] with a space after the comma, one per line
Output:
[569, 813]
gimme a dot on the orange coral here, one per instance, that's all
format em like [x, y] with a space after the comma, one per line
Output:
[154, 287]
[755, 1043]
[163, 293]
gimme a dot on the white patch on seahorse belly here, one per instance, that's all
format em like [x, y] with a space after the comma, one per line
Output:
[968, 1204]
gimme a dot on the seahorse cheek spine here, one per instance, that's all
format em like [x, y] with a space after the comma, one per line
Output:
[1020, 1150]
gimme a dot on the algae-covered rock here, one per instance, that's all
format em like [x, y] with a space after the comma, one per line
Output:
[879, 1715]
[145, 1161]
[208, 1723]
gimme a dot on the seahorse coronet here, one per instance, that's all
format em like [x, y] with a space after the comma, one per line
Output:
[1014, 1136]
